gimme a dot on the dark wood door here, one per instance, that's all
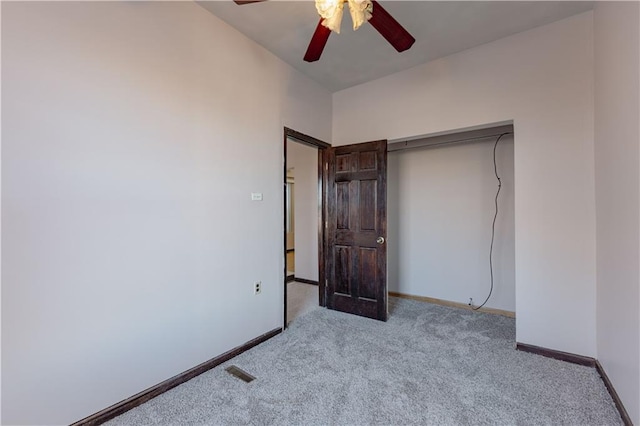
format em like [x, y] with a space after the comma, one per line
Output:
[357, 229]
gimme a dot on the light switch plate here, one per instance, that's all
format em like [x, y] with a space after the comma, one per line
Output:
[256, 196]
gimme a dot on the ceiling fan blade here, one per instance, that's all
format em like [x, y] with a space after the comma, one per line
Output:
[241, 2]
[318, 41]
[390, 29]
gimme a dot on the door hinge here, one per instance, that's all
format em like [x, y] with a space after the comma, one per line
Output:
[326, 224]
[326, 166]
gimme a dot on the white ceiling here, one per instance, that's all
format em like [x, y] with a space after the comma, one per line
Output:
[440, 28]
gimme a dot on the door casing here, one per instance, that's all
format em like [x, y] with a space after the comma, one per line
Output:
[322, 211]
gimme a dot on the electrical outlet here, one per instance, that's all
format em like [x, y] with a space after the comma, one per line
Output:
[257, 287]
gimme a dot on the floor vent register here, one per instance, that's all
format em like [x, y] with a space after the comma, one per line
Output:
[239, 373]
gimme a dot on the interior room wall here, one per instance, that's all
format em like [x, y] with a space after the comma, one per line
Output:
[133, 136]
[617, 163]
[440, 211]
[304, 159]
[541, 79]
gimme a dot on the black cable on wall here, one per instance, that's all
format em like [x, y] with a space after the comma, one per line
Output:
[495, 216]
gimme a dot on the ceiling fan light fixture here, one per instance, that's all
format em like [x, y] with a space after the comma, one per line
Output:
[361, 11]
[331, 12]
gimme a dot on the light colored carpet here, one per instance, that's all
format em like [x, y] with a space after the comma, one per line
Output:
[428, 364]
[301, 299]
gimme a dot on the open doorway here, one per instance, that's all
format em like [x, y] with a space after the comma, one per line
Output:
[351, 220]
[304, 215]
[302, 229]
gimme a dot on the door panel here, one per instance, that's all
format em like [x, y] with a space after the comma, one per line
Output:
[357, 214]
[343, 269]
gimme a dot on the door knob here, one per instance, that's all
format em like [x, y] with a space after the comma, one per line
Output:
[380, 240]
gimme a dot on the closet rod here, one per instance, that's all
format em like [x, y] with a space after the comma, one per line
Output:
[449, 139]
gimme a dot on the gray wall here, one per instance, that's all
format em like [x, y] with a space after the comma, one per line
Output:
[130, 241]
[542, 80]
[617, 164]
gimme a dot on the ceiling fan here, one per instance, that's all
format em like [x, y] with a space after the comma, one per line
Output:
[361, 11]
